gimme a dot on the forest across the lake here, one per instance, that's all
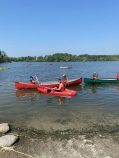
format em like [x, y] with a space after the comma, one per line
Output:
[58, 57]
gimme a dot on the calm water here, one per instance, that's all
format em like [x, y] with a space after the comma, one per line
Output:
[94, 106]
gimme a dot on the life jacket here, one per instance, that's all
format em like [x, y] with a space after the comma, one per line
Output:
[64, 79]
[118, 76]
[62, 89]
[94, 76]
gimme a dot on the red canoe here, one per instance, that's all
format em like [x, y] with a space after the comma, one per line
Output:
[22, 85]
[50, 91]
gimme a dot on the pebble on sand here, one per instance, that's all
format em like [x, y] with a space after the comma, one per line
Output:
[8, 140]
[4, 127]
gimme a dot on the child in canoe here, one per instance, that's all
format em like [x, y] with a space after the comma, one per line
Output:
[32, 80]
[61, 87]
[95, 76]
[118, 76]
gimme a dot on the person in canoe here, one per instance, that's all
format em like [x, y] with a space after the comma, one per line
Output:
[95, 76]
[64, 79]
[32, 80]
[61, 87]
[118, 76]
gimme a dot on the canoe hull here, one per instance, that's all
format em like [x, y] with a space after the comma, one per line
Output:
[101, 80]
[49, 91]
[22, 85]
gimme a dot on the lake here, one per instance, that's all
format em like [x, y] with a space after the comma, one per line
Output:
[93, 108]
[86, 125]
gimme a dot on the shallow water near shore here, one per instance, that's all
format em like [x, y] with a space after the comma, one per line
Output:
[91, 114]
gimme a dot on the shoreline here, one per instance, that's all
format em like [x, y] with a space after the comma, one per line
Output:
[65, 144]
[92, 131]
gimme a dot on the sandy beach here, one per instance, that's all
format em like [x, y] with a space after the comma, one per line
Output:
[65, 144]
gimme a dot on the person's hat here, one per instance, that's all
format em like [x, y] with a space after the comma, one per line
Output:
[31, 77]
[64, 75]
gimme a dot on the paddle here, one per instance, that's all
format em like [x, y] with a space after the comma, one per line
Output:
[37, 79]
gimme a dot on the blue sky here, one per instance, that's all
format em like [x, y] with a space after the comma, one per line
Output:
[42, 27]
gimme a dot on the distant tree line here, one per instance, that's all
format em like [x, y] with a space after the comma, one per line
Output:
[4, 57]
[58, 57]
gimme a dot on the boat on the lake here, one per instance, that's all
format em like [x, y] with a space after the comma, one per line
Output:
[50, 91]
[22, 85]
[100, 80]
[65, 67]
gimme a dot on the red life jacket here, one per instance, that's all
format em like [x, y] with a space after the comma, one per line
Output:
[118, 76]
[94, 76]
[62, 89]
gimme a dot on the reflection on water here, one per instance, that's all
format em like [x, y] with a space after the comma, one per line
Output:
[117, 87]
[23, 93]
[33, 93]
[96, 87]
[61, 100]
